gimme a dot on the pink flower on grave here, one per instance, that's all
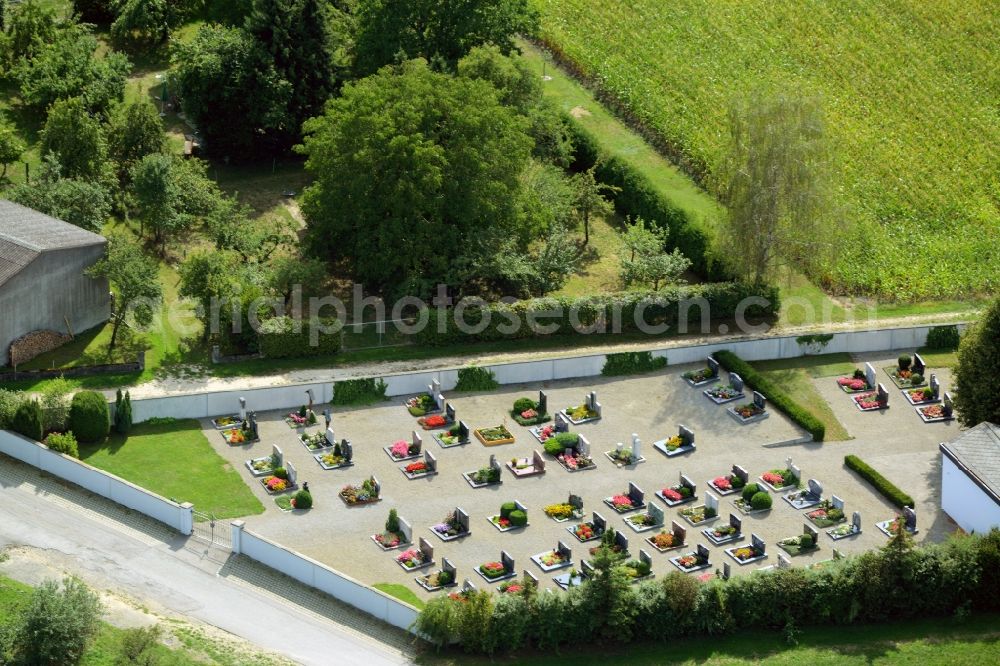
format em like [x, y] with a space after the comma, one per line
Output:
[622, 502]
[775, 480]
[722, 483]
[529, 414]
[400, 449]
[671, 494]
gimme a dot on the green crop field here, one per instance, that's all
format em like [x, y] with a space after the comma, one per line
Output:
[909, 90]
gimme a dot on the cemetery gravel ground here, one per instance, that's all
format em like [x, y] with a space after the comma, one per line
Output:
[895, 442]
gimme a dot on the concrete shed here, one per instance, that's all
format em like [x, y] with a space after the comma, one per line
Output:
[42, 280]
[970, 478]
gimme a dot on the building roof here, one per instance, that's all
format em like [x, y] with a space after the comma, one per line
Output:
[26, 233]
[977, 453]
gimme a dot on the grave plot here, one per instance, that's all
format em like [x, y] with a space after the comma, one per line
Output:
[650, 520]
[630, 457]
[559, 557]
[734, 482]
[454, 526]
[414, 559]
[694, 561]
[495, 436]
[780, 480]
[439, 421]
[937, 413]
[524, 467]
[702, 376]
[806, 498]
[753, 500]
[729, 533]
[367, 493]
[401, 449]
[571, 451]
[528, 412]
[512, 516]
[303, 418]
[750, 412]
[873, 402]
[616, 541]
[591, 530]
[514, 586]
[574, 578]
[681, 493]
[468, 588]
[860, 382]
[639, 569]
[543, 433]
[588, 412]
[926, 395]
[494, 572]
[429, 402]
[667, 541]
[679, 444]
[827, 513]
[485, 476]
[571, 509]
[421, 469]
[724, 393]
[281, 480]
[317, 441]
[755, 552]
[397, 533]
[340, 456]
[227, 422]
[245, 432]
[456, 435]
[702, 514]
[782, 563]
[908, 371]
[632, 499]
[837, 555]
[266, 465]
[806, 542]
[907, 521]
[847, 529]
[444, 577]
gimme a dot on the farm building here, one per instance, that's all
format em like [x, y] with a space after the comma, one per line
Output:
[42, 282]
[970, 478]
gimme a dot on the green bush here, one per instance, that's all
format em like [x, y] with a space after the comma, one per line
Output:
[916, 378]
[524, 404]
[57, 623]
[760, 501]
[553, 447]
[9, 402]
[123, 412]
[774, 393]
[63, 443]
[28, 420]
[444, 578]
[568, 440]
[858, 373]
[278, 338]
[474, 378]
[975, 375]
[89, 417]
[518, 518]
[303, 500]
[943, 337]
[280, 472]
[749, 491]
[685, 492]
[632, 363]
[392, 522]
[737, 481]
[904, 361]
[139, 646]
[806, 541]
[506, 508]
[881, 484]
[358, 391]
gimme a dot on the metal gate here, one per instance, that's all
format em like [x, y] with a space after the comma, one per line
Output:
[212, 531]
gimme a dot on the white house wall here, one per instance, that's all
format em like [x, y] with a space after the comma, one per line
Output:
[965, 502]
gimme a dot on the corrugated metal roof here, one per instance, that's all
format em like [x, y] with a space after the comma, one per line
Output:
[26, 233]
[978, 451]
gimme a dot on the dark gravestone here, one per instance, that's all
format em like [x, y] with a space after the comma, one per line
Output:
[935, 387]
[576, 502]
[736, 382]
[910, 519]
[621, 541]
[635, 494]
[759, 400]
[449, 413]
[562, 423]
[883, 396]
[507, 561]
[543, 403]
[734, 521]
[702, 552]
[713, 366]
[760, 548]
[346, 450]
[463, 432]
[918, 367]
[600, 524]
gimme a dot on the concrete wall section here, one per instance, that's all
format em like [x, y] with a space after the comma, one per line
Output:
[965, 502]
[97, 481]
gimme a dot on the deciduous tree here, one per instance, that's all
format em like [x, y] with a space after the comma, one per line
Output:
[590, 199]
[976, 398]
[57, 624]
[11, 147]
[134, 279]
[134, 131]
[643, 258]
[84, 203]
[76, 139]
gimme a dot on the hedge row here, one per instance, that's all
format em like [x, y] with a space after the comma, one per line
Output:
[542, 317]
[358, 391]
[279, 339]
[774, 393]
[881, 484]
[639, 198]
[632, 363]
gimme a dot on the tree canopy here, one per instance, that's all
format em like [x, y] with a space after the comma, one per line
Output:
[85, 203]
[976, 398]
[76, 139]
[135, 280]
[134, 131]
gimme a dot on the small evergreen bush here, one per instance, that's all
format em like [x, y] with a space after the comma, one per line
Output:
[760, 501]
[303, 500]
[904, 361]
[518, 518]
[553, 447]
[474, 378]
[506, 508]
[881, 484]
[524, 404]
[89, 417]
[943, 337]
[916, 378]
[280, 472]
[28, 420]
[750, 490]
[392, 522]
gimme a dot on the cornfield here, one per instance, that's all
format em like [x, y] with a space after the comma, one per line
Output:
[910, 91]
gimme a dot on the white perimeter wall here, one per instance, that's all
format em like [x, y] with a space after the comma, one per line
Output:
[175, 515]
[965, 502]
[323, 578]
[201, 405]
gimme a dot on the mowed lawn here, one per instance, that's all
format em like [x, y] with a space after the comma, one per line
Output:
[176, 461]
[796, 375]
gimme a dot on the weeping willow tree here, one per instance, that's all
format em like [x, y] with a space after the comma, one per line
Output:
[776, 183]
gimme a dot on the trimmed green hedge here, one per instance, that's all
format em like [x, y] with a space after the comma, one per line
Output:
[474, 378]
[552, 315]
[278, 338]
[887, 488]
[89, 417]
[632, 363]
[358, 391]
[774, 393]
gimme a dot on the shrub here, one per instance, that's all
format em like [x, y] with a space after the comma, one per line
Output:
[9, 402]
[859, 373]
[553, 447]
[881, 484]
[524, 404]
[280, 472]
[506, 508]
[358, 391]
[474, 378]
[632, 363]
[774, 393]
[806, 541]
[303, 500]
[904, 361]
[28, 420]
[138, 647]
[392, 522]
[750, 490]
[278, 337]
[123, 412]
[916, 378]
[57, 623]
[943, 337]
[89, 417]
[55, 404]
[444, 578]
[760, 501]
[568, 440]
[518, 518]
[63, 443]
[685, 492]
[976, 397]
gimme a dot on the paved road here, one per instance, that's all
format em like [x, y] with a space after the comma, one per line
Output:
[130, 559]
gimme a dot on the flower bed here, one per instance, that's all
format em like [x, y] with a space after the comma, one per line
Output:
[585, 532]
[495, 436]
[868, 402]
[854, 384]
[512, 516]
[727, 485]
[366, 493]
[415, 469]
[826, 515]
[641, 522]
[544, 433]
[526, 412]
[436, 581]
[332, 460]
[722, 394]
[226, 422]
[511, 587]
[487, 476]
[575, 462]
[300, 419]
[698, 515]
[450, 528]
[551, 560]
[413, 559]
[235, 436]
[842, 531]
[494, 571]
[624, 457]
[560, 512]
[422, 405]
[904, 379]
[779, 480]
[676, 495]
[665, 541]
[637, 570]
[720, 534]
[623, 503]
[451, 437]
[700, 376]
[932, 413]
[581, 414]
[388, 540]
[276, 484]
[433, 422]
[315, 442]
[401, 450]
[262, 466]
[753, 499]
[747, 412]
[673, 446]
[921, 396]
[691, 562]
[745, 554]
[803, 543]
